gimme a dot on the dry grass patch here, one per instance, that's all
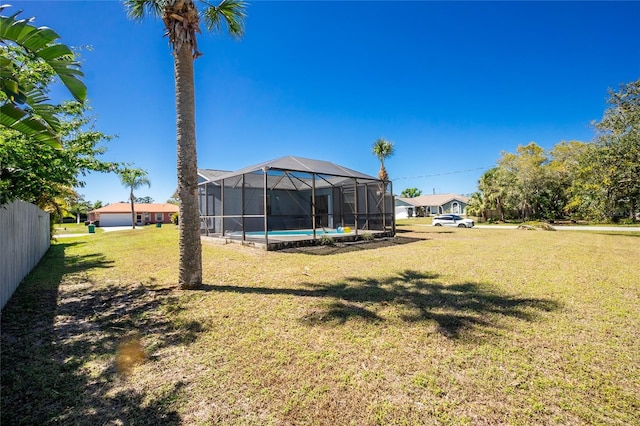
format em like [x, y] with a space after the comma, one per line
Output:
[461, 326]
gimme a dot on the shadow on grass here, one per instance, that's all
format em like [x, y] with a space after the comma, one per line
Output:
[413, 296]
[60, 334]
[619, 233]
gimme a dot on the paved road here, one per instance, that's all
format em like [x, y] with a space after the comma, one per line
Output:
[572, 228]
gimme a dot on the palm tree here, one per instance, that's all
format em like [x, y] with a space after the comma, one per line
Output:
[133, 179]
[493, 186]
[78, 206]
[411, 193]
[181, 20]
[476, 206]
[383, 149]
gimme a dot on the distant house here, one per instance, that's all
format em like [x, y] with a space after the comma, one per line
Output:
[428, 205]
[119, 214]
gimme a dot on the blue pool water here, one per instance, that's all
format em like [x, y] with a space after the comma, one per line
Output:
[292, 233]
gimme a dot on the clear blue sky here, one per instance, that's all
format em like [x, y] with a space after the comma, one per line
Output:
[451, 84]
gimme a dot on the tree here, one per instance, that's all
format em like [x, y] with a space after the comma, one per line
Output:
[133, 179]
[383, 149]
[476, 206]
[77, 205]
[494, 185]
[525, 179]
[45, 148]
[144, 200]
[619, 150]
[411, 192]
[571, 177]
[23, 100]
[181, 20]
[44, 175]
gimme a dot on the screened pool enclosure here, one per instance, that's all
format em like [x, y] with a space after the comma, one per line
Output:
[294, 198]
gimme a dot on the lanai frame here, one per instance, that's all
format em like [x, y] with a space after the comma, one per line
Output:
[273, 196]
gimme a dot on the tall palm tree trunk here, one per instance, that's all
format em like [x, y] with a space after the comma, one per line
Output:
[190, 267]
[133, 210]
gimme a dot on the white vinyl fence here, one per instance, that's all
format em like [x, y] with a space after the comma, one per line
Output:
[24, 239]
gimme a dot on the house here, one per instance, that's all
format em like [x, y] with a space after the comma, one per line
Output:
[427, 205]
[119, 214]
[292, 196]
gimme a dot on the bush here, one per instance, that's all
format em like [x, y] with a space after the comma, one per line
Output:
[368, 236]
[627, 221]
[326, 240]
[175, 218]
[546, 227]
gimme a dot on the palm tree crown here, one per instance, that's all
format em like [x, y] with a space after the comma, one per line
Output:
[134, 179]
[383, 149]
[182, 19]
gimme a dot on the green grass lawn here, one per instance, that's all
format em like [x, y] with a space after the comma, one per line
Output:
[440, 326]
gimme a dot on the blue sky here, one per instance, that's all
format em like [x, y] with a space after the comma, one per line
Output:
[451, 84]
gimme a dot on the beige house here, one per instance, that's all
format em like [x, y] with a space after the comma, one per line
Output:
[119, 214]
[430, 205]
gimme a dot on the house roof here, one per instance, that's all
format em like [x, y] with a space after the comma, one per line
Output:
[291, 173]
[297, 164]
[138, 207]
[433, 200]
[210, 174]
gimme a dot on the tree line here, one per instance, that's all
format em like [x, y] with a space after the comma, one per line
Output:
[595, 181]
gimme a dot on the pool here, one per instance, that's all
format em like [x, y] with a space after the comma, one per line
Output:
[291, 233]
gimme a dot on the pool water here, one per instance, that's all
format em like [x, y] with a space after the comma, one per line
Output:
[293, 233]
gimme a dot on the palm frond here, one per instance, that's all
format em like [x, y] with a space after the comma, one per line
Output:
[25, 108]
[383, 149]
[20, 120]
[134, 178]
[41, 41]
[139, 9]
[229, 14]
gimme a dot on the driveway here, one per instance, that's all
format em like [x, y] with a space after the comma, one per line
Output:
[104, 229]
[118, 228]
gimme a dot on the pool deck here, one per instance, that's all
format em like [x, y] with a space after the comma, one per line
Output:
[279, 242]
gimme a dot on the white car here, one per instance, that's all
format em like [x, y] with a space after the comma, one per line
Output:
[452, 220]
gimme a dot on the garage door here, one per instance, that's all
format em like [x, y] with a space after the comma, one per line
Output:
[115, 219]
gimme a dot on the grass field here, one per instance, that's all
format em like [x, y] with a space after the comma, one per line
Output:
[440, 326]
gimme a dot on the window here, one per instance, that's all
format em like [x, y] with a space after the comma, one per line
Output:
[159, 217]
